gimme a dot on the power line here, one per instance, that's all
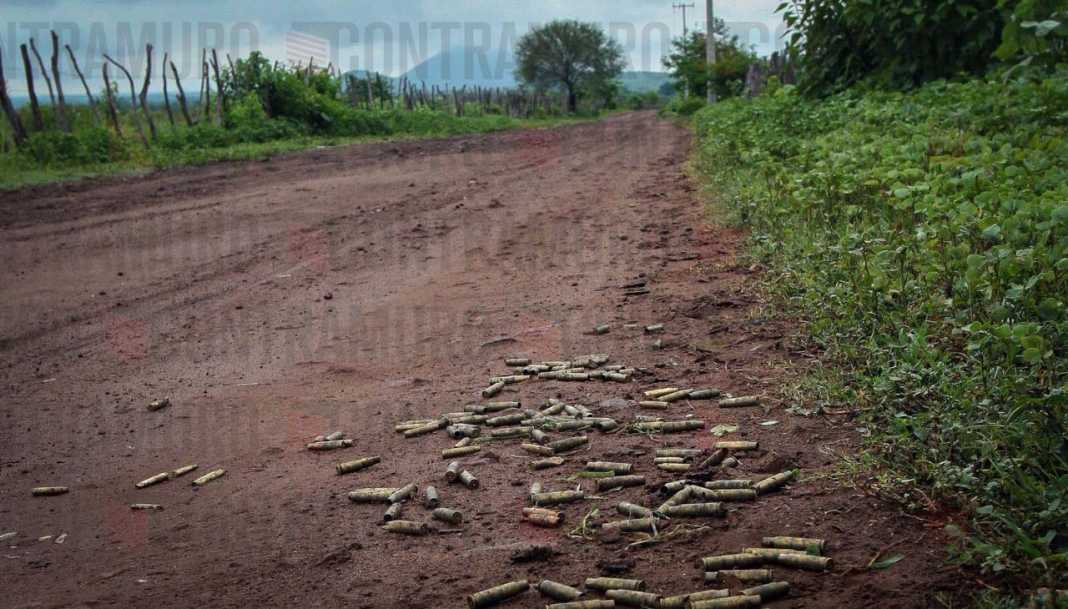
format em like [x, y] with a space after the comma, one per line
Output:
[685, 28]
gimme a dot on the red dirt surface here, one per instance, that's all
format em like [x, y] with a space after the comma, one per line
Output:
[352, 288]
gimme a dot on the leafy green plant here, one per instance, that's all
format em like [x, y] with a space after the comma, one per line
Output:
[924, 235]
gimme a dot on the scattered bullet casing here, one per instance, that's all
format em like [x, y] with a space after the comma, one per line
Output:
[145, 507]
[774, 482]
[508, 419]
[770, 591]
[669, 426]
[673, 467]
[547, 463]
[558, 497]
[511, 379]
[462, 443]
[431, 499]
[607, 484]
[336, 435]
[539, 436]
[685, 453]
[403, 493]
[426, 429]
[609, 466]
[452, 472]
[593, 604]
[357, 465]
[463, 430]
[731, 494]
[730, 602]
[542, 517]
[208, 477]
[705, 394]
[741, 402]
[492, 390]
[675, 396]
[633, 510]
[635, 525]
[537, 449]
[498, 594]
[729, 462]
[535, 488]
[407, 527]
[750, 576]
[694, 510]
[153, 480]
[393, 512]
[681, 601]
[371, 495]
[558, 591]
[469, 480]
[510, 432]
[680, 497]
[155, 405]
[181, 471]
[452, 517]
[654, 405]
[730, 561]
[332, 445]
[659, 460]
[714, 459]
[602, 329]
[403, 426]
[676, 485]
[657, 393]
[654, 329]
[770, 553]
[634, 598]
[516, 362]
[802, 544]
[605, 584]
[802, 561]
[567, 444]
[463, 451]
[738, 445]
[719, 485]
[553, 409]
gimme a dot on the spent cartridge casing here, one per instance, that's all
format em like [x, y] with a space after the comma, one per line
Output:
[775, 482]
[669, 426]
[605, 584]
[371, 495]
[539, 436]
[492, 390]
[542, 517]
[658, 393]
[749, 576]
[731, 561]
[633, 525]
[730, 494]
[730, 602]
[806, 562]
[737, 445]
[566, 444]
[507, 419]
[350, 467]
[591, 604]
[497, 594]
[406, 527]
[654, 405]
[185, 469]
[403, 494]
[146, 506]
[769, 591]
[463, 451]
[153, 480]
[538, 449]
[208, 477]
[607, 484]
[675, 396]
[685, 453]
[429, 428]
[609, 466]
[633, 510]
[705, 394]
[393, 512]
[673, 467]
[450, 516]
[681, 601]
[659, 460]
[810, 545]
[719, 485]
[452, 472]
[716, 458]
[547, 463]
[634, 598]
[770, 553]
[558, 497]
[742, 402]
[469, 480]
[694, 510]
[463, 430]
[332, 444]
[49, 491]
[558, 591]
[430, 498]
[517, 362]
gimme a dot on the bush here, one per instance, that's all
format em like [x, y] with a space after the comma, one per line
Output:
[686, 106]
[925, 235]
[89, 146]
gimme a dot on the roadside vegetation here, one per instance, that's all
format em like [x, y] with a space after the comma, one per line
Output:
[254, 108]
[912, 208]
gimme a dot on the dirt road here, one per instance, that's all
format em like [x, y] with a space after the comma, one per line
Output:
[352, 288]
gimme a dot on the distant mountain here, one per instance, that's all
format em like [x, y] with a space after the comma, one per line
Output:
[461, 66]
[643, 82]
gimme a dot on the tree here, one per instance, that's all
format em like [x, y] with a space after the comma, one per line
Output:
[689, 68]
[568, 54]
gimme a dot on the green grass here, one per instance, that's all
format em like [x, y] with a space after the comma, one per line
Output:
[18, 170]
[923, 238]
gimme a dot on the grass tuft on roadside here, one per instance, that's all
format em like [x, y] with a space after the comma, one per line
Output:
[923, 236]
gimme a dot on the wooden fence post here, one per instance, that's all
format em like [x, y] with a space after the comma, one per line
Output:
[88, 92]
[9, 108]
[112, 112]
[144, 93]
[181, 96]
[38, 121]
[61, 106]
[133, 100]
[220, 93]
[166, 95]
[44, 72]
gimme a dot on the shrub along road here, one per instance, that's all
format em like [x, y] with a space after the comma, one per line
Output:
[352, 288]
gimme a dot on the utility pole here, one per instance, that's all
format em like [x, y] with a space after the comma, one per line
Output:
[710, 46]
[685, 29]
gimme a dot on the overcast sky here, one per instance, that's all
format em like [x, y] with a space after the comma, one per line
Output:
[391, 37]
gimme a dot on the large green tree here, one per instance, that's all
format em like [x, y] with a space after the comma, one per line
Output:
[689, 67]
[570, 55]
